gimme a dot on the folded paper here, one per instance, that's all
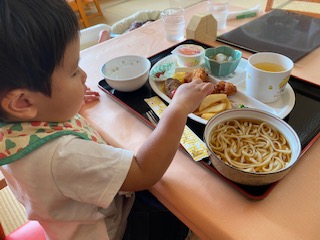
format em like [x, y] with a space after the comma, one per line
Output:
[189, 140]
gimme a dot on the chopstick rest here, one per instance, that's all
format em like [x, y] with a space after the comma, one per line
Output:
[189, 140]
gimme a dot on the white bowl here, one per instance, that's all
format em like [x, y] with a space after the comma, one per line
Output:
[189, 55]
[253, 178]
[126, 73]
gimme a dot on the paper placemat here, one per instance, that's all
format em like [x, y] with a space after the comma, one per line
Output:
[189, 140]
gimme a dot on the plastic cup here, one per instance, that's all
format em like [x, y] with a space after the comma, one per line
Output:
[267, 76]
[219, 10]
[174, 23]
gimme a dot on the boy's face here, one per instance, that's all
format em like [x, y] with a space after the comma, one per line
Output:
[68, 88]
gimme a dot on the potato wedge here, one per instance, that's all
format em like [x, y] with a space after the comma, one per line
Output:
[214, 108]
[207, 116]
[211, 99]
[228, 102]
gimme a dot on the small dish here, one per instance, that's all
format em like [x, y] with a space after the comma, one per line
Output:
[189, 55]
[162, 72]
[126, 73]
[222, 60]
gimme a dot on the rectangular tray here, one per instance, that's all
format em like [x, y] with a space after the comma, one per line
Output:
[291, 34]
[304, 118]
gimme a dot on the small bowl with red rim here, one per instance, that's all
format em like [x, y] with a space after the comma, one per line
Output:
[189, 55]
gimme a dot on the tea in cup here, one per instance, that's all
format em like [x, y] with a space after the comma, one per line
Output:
[267, 76]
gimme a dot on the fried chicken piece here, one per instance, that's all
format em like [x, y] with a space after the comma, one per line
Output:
[200, 73]
[225, 87]
[197, 73]
[188, 77]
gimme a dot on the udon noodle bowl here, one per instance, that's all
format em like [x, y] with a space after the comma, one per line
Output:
[250, 145]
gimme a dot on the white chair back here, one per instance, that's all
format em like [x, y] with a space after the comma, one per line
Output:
[90, 36]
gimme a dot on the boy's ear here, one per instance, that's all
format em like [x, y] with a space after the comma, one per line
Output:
[18, 103]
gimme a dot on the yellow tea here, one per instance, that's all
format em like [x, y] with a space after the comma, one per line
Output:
[270, 67]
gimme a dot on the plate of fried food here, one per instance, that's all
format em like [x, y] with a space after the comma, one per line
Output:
[229, 92]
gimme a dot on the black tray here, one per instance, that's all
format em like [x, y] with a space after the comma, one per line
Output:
[280, 31]
[304, 118]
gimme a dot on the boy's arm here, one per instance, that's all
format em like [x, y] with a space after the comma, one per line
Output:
[155, 155]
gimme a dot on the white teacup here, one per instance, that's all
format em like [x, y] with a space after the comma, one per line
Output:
[267, 76]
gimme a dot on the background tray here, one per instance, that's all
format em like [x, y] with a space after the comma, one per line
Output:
[304, 118]
[280, 31]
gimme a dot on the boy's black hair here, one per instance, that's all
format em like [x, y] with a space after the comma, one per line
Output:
[33, 38]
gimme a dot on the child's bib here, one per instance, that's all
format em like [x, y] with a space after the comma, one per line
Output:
[19, 139]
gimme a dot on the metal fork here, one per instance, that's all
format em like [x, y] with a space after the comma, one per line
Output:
[153, 117]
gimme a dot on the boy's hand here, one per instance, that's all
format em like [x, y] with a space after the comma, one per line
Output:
[188, 96]
[90, 96]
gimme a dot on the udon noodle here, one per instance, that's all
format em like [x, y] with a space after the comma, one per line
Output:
[251, 146]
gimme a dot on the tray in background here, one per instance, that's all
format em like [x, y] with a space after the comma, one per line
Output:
[291, 34]
[304, 117]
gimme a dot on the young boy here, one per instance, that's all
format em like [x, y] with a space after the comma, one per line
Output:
[57, 166]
